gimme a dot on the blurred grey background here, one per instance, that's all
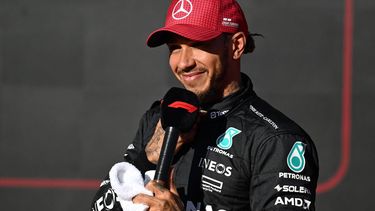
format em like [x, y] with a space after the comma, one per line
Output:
[76, 76]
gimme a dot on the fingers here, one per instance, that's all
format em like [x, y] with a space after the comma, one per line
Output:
[156, 188]
[145, 199]
[163, 198]
[161, 192]
[172, 186]
[173, 190]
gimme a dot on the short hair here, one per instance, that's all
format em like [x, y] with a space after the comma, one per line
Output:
[250, 43]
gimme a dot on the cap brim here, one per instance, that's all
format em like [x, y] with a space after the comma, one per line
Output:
[191, 32]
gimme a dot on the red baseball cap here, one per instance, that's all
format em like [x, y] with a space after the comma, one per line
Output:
[200, 20]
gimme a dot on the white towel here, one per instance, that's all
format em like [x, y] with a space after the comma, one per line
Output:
[127, 182]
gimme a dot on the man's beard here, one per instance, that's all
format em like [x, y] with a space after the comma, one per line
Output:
[214, 93]
[217, 85]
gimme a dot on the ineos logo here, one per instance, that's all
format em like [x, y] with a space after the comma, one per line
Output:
[182, 9]
[215, 167]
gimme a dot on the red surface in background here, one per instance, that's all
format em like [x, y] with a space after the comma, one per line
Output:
[49, 183]
[331, 183]
[346, 120]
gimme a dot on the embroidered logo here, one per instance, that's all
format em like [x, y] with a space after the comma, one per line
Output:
[224, 141]
[296, 159]
[182, 9]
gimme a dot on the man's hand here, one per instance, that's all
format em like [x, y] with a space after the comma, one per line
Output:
[163, 200]
[154, 145]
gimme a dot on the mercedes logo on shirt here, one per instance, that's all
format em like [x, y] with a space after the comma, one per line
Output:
[182, 9]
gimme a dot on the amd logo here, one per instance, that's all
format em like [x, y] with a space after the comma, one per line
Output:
[296, 202]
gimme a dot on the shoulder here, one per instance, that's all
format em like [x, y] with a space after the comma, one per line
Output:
[270, 133]
[149, 119]
[262, 126]
[153, 111]
[263, 120]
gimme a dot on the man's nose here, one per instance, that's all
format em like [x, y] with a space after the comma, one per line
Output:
[186, 61]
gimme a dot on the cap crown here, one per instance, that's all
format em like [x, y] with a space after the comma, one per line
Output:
[217, 15]
[200, 20]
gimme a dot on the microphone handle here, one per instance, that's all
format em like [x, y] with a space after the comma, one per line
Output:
[166, 155]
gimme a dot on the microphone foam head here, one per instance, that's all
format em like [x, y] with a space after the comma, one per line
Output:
[179, 109]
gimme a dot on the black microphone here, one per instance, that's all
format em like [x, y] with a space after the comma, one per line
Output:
[179, 111]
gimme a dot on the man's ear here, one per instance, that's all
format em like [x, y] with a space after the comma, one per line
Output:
[238, 44]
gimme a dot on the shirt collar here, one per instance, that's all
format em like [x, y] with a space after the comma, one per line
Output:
[234, 99]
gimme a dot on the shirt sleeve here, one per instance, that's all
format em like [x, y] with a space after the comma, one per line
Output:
[135, 152]
[285, 174]
[106, 198]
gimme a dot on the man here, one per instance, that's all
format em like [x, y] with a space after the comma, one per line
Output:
[242, 154]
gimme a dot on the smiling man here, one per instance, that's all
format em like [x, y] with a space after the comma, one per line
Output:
[205, 68]
[242, 154]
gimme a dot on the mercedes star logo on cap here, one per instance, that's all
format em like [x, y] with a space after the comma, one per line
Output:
[182, 9]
